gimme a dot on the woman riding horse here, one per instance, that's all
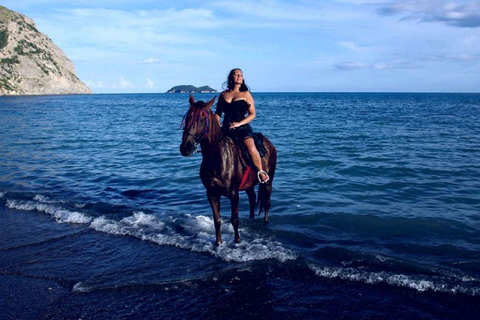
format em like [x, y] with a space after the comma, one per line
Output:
[235, 102]
[224, 170]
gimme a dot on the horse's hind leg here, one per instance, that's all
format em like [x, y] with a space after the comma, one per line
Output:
[217, 220]
[234, 200]
[252, 198]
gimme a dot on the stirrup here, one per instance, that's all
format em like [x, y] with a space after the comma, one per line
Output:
[260, 180]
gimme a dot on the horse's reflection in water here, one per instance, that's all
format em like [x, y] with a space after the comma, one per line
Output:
[224, 171]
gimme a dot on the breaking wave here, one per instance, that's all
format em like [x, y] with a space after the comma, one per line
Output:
[195, 233]
[191, 232]
[60, 215]
[417, 282]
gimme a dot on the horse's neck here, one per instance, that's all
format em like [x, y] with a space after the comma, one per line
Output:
[215, 142]
[215, 133]
[211, 148]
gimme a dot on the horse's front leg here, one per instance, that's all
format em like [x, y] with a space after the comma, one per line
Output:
[234, 200]
[217, 220]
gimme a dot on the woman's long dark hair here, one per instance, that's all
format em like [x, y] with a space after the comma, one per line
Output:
[230, 84]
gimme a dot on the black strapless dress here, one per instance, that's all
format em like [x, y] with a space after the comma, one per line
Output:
[236, 111]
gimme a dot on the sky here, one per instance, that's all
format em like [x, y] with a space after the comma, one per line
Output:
[149, 46]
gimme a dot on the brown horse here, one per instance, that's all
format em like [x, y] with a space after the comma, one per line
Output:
[224, 171]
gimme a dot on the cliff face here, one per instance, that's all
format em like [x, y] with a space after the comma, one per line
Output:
[30, 63]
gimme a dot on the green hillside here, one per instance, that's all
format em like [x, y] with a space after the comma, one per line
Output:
[6, 15]
[190, 89]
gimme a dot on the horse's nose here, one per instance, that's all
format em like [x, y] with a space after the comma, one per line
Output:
[187, 148]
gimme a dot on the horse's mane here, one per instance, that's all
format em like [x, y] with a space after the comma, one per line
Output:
[211, 130]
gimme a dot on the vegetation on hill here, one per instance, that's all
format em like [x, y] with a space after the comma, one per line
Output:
[206, 88]
[11, 60]
[6, 15]
[3, 39]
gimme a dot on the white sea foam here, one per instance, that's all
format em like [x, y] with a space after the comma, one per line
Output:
[79, 287]
[103, 224]
[136, 225]
[61, 215]
[257, 249]
[203, 224]
[2, 194]
[400, 280]
[191, 232]
[198, 235]
[42, 199]
[141, 220]
[248, 250]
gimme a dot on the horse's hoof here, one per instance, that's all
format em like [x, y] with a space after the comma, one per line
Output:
[237, 240]
[265, 222]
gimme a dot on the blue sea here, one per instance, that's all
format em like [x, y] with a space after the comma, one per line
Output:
[375, 211]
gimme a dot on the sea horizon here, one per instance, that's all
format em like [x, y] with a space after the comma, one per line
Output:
[253, 92]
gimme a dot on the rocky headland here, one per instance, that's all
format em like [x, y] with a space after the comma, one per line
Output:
[30, 63]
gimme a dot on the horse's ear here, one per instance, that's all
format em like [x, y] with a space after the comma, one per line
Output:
[191, 100]
[210, 103]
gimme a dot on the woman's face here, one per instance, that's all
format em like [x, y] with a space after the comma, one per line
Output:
[237, 76]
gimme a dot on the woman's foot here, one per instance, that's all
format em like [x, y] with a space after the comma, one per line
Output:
[262, 176]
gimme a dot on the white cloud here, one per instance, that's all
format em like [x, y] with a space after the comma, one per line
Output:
[123, 83]
[151, 60]
[361, 2]
[401, 64]
[464, 57]
[350, 45]
[453, 13]
[94, 84]
[351, 65]
[269, 9]
[167, 19]
[150, 83]
[128, 31]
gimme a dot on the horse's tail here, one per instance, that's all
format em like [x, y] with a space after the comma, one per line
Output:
[263, 200]
[265, 189]
[264, 194]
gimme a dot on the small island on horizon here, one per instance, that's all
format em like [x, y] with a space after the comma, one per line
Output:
[191, 89]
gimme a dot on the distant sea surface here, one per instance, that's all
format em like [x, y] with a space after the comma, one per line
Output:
[375, 211]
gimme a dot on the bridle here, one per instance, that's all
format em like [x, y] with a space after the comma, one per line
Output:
[197, 138]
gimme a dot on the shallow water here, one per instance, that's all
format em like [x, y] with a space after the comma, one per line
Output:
[375, 210]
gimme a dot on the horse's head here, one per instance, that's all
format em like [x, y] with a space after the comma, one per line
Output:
[196, 125]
